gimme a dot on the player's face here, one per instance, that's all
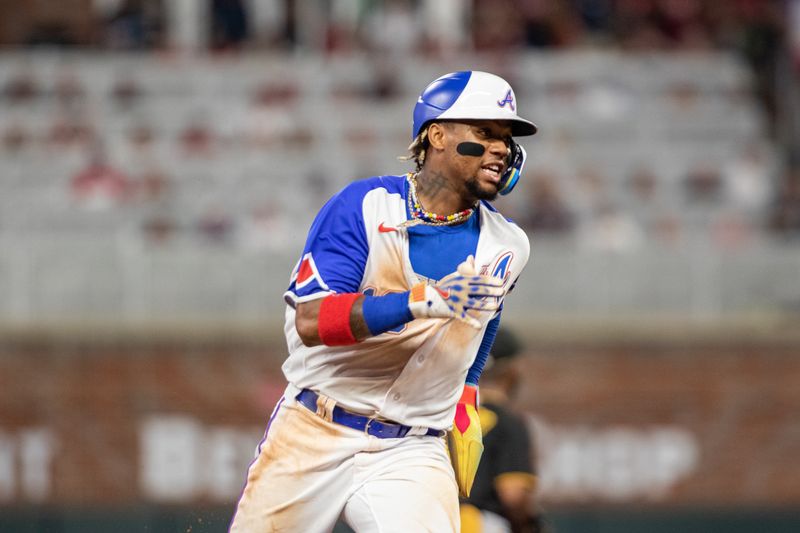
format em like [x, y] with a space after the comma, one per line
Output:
[482, 173]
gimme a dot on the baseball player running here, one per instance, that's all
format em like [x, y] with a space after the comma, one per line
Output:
[391, 312]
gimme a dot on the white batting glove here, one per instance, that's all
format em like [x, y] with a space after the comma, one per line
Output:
[460, 295]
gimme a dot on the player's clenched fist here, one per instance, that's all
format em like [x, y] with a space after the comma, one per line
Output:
[456, 295]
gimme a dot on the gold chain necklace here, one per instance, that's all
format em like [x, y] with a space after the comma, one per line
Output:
[421, 216]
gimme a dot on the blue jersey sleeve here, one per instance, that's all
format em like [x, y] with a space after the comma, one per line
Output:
[475, 371]
[336, 250]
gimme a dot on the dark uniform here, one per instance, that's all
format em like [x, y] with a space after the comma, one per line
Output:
[507, 452]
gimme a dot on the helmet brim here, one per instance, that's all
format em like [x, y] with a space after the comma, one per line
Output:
[519, 126]
[522, 128]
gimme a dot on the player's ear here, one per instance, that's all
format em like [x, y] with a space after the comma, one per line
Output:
[436, 135]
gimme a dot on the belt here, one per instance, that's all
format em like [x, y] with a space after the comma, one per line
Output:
[371, 426]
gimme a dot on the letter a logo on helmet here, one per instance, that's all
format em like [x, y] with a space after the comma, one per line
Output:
[508, 99]
[469, 94]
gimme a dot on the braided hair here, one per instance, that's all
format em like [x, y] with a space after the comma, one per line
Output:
[418, 149]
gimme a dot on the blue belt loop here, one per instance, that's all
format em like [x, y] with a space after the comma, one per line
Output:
[370, 420]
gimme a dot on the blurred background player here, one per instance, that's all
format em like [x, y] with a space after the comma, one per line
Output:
[502, 498]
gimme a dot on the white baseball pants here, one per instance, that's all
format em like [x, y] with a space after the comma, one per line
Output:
[308, 471]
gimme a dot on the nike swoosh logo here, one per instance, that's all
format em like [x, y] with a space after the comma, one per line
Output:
[386, 229]
[444, 294]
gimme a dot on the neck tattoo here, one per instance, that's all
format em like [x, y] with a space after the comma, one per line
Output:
[421, 216]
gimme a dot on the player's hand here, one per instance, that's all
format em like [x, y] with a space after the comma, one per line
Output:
[458, 295]
[465, 440]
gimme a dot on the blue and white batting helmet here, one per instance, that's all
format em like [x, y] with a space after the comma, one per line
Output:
[469, 94]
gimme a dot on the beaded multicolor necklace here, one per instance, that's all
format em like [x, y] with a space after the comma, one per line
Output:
[421, 216]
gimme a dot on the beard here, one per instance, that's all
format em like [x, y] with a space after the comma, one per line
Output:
[488, 192]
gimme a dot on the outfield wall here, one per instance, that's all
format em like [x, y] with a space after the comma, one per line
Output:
[145, 426]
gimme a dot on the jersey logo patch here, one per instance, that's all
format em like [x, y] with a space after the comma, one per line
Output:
[307, 272]
[386, 229]
[501, 267]
[508, 99]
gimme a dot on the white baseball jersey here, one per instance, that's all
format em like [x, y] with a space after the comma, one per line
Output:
[414, 374]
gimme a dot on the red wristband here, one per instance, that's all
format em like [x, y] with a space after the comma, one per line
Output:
[334, 320]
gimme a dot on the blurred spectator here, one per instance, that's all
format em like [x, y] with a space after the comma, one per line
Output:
[288, 36]
[647, 204]
[273, 119]
[611, 230]
[265, 127]
[69, 89]
[596, 15]
[546, 211]
[384, 83]
[748, 179]
[141, 138]
[361, 137]
[667, 229]
[196, 139]
[154, 185]
[341, 31]
[793, 38]
[229, 24]
[70, 132]
[393, 27]
[635, 27]
[703, 183]
[677, 19]
[563, 92]
[126, 92]
[215, 225]
[265, 229]
[271, 114]
[444, 31]
[275, 93]
[682, 97]
[643, 185]
[753, 28]
[606, 100]
[159, 228]
[100, 185]
[140, 152]
[591, 190]
[317, 185]
[51, 33]
[730, 231]
[126, 27]
[16, 137]
[547, 23]
[496, 25]
[22, 87]
[761, 37]
[785, 218]
[299, 138]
